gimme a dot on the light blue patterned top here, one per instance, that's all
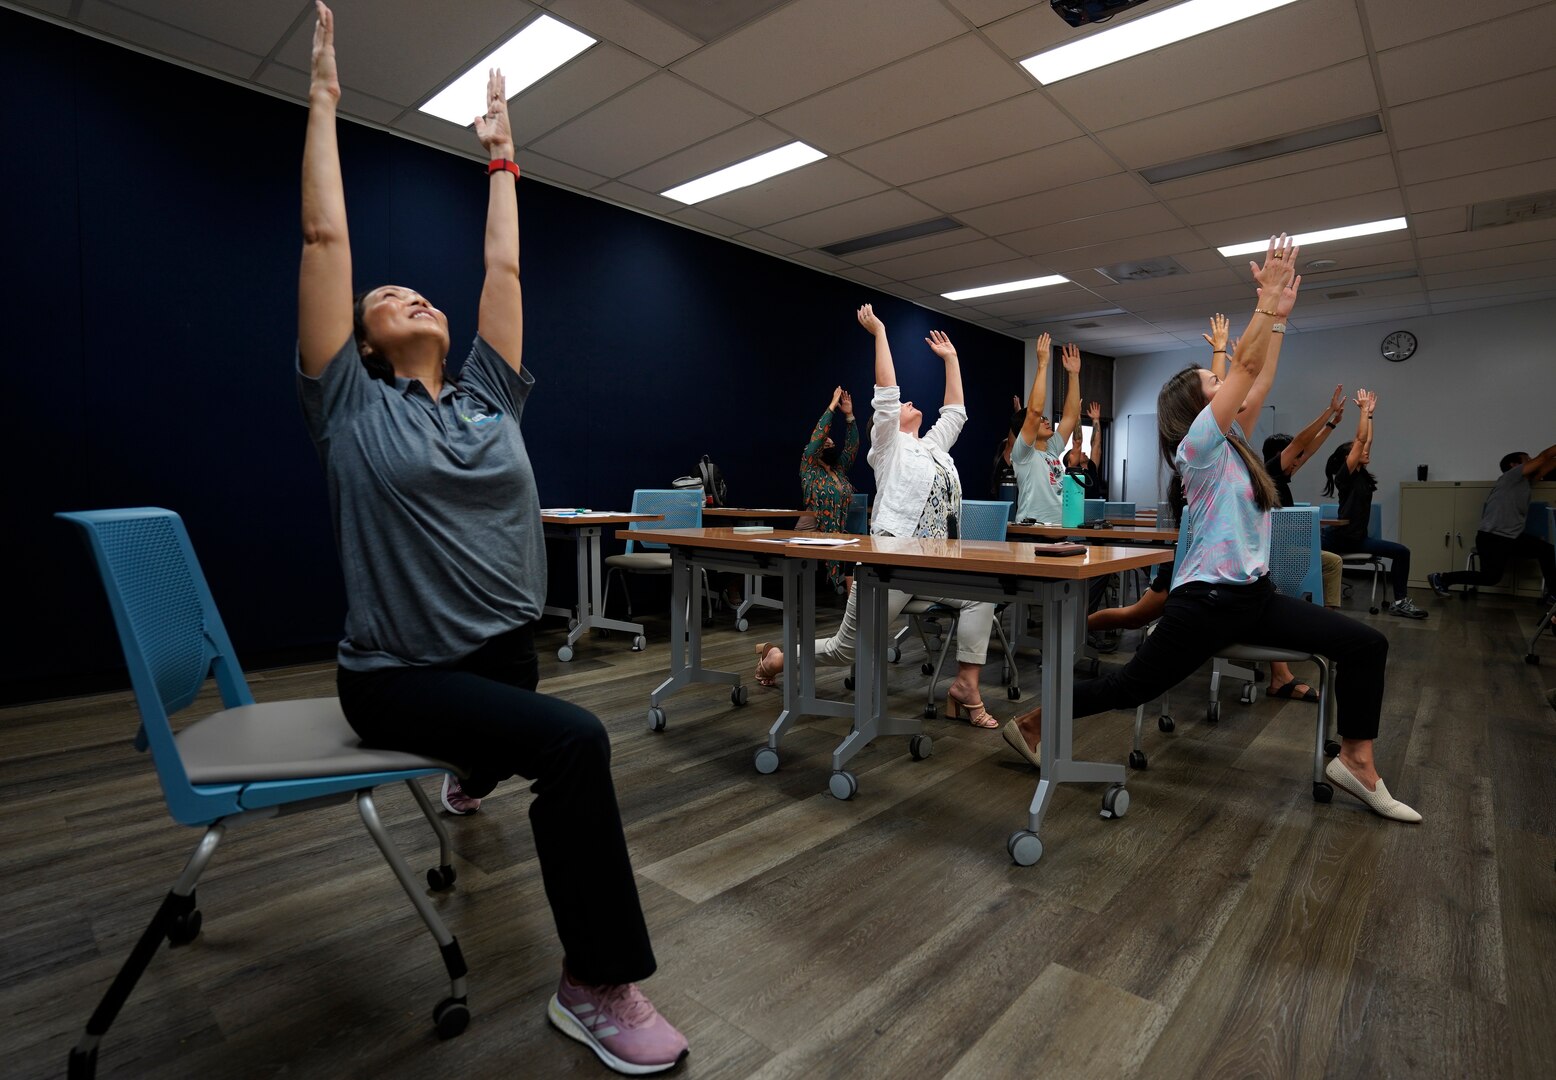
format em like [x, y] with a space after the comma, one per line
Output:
[1229, 536]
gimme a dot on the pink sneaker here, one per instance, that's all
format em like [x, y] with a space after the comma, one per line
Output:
[455, 801]
[619, 1024]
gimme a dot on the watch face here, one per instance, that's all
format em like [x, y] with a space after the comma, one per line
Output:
[1399, 346]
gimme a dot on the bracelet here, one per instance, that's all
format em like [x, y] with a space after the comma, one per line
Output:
[1278, 328]
[1261, 311]
[1332, 424]
[1214, 352]
[497, 165]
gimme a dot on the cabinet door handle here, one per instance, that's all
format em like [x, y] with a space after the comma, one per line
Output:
[1446, 538]
[1461, 538]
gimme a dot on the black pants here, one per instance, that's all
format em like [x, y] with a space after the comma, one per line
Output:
[1202, 619]
[1398, 556]
[484, 715]
[1497, 551]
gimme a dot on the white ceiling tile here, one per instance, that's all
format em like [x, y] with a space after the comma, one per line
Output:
[757, 239]
[630, 130]
[1330, 214]
[983, 12]
[1438, 222]
[793, 194]
[1277, 193]
[1486, 52]
[991, 274]
[1312, 35]
[353, 103]
[1131, 248]
[949, 238]
[1362, 316]
[1019, 123]
[811, 45]
[1535, 300]
[544, 168]
[819, 259]
[885, 210]
[1125, 293]
[1395, 22]
[252, 28]
[1505, 183]
[433, 131]
[1541, 270]
[136, 29]
[1038, 28]
[1093, 197]
[1491, 150]
[701, 219]
[999, 181]
[1320, 157]
[863, 276]
[53, 7]
[1091, 229]
[575, 88]
[710, 155]
[1343, 92]
[629, 26]
[1509, 236]
[976, 253]
[1511, 291]
[945, 81]
[1362, 254]
[1513, 101]
[616, 191]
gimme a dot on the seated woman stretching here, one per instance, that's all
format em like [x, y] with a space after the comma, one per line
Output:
[1222, 592]
[1347, 473]
[824, 477]
[438, 523]
[917, 493]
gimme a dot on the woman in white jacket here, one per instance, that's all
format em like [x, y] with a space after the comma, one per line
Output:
[918, 493]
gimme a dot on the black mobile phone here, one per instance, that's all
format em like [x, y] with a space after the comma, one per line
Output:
[1060, 547]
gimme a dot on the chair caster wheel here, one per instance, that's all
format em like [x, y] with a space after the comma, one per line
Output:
[656, 718]
[184, 929]
[766, 760]
[1331, 748]
[451, 1017]
[1213, 713]
[1322, 792]
[844, 785]
[639, 643]
[1249, 694]
[1115, 802]
[739, 695]
[1013, 693]
[893, 654]
[926, 668]
[707, 621]
[572, 624]
[931, 711]
[848, 682]
[565, 653]
[440, 878]
[921, 746]
[1137, 760]
[1164, 724]
[1372, 611]
[742, 625]
[1024, 847]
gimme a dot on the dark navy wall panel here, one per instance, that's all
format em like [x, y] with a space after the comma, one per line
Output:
[153, 261]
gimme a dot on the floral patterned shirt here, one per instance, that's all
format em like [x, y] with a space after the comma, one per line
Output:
[828, 492]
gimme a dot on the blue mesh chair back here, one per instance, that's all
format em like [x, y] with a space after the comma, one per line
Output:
[681, 507]
[1095, 510]
[1119, 509]
[858, 520]
[984, 519]
[1295, 565]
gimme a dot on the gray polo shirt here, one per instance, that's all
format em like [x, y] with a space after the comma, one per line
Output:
[1507, 507]
[436, 514]
[1039, 471]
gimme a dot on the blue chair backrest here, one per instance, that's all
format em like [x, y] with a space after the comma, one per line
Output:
[681, 507]
[172, 636]
[1331, 511]
[1295, 564]
[1095, 510]
[1539, 520]
[984, 519]
[1119, 509]
[858, 520]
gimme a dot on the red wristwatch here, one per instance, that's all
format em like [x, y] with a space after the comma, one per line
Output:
[503, 165]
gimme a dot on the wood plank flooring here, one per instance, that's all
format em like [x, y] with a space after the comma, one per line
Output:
[1228, 926]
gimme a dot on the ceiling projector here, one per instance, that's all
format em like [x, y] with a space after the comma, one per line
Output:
[1081, 12]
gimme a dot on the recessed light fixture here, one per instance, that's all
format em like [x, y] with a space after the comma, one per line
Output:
[1345, 232]
[745, 173]
[1009, 286]
[525, 58]
[1177, 23]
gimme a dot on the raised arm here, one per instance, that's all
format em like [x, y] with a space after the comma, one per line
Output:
[1304, 447]
[885, 370]
[1037, 400]
[1094, 414]
[1216, 339]
[1071, 359]
[1537, 465]
[500, 318]
[1361, 446]
[1247, 359]
[1284, 300]
[818, 435]
[324, 282]
[941, 346]
[845, 460]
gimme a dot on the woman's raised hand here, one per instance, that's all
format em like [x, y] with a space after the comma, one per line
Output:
[869, 320]
[1372, 402]
[1286, 298]
[325, 79]
[847, 401]
[836, 396]
[492, 127]
[1361, 399]
[1070, 357]
[1094, 412]
[1044, 350]
[1218, 331]
[1337, 402]
[1280, 263]
[940, 345]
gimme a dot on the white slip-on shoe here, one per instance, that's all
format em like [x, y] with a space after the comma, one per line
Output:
[1018, 743]
[1380, 802]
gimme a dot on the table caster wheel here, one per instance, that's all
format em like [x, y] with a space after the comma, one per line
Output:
[1372, 611]
[893, 654]
[1115, 802]
[931, 711]
[848, 682]
[926, 668]
[1213, 713]
[1024, 847]
[844, 785]
[1164, 724]
[1137, 760]
[656, 718]
[1331, 748]
[451, 1017]
[742, 625]
[1013, 693]
[739, 695]
[639, 643]
[766, 760]
[921, 746]
[184, 928]
[1247, 696]
[441, 877]
[565, 653]
[1322, 792]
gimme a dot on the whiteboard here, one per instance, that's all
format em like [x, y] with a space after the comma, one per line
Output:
[1145, 473]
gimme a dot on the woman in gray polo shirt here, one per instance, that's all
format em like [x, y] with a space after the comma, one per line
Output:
[438, 525]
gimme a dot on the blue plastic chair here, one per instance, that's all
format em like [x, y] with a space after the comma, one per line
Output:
[247, 762]
[858, 521]
[1119, 509]
[682, 509]
[1095, 510]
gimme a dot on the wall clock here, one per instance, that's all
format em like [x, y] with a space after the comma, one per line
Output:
[1399, 346]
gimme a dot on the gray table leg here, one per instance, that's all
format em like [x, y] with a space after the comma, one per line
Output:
[870, 719]
[686, 642]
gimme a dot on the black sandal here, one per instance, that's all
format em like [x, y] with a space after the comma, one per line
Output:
[1289, 691]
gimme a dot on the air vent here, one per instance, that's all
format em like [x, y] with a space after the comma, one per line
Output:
[1540, 206]
[1342, 294]
[1085, 325]
[1242, 155]
[893, 236]
[1145, 270]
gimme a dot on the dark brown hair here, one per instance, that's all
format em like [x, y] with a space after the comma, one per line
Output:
[1177, 406]
[376, 365]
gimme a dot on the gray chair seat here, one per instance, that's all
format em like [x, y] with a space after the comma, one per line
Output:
[1263, 654]
[284, 740]
[641, 562]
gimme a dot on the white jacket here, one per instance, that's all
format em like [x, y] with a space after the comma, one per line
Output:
[904, 464]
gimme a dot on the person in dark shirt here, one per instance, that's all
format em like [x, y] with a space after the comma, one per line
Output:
[1084, 465]
[1501, 537]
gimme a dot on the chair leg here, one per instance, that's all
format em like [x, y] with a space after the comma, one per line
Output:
[452, 1014]
[934, 680]
[442, 876]
[178, 920]
[1013, 683]
[1325, 704]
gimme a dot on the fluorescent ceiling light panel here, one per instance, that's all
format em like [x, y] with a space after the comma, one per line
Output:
[525, 58]
[1009, 286]
[1177, 23]
[1345, 232]
[745, 173]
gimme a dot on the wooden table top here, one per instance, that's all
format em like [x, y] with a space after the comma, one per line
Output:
[597, 517]
[751, 514]
[969, 556]
[1122, 533]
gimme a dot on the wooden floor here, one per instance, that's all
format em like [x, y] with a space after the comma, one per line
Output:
[1228, 926]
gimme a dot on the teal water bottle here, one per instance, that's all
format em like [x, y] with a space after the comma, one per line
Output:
[1072, 502]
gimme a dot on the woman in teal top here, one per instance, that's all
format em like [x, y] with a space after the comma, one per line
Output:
[824, 475]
